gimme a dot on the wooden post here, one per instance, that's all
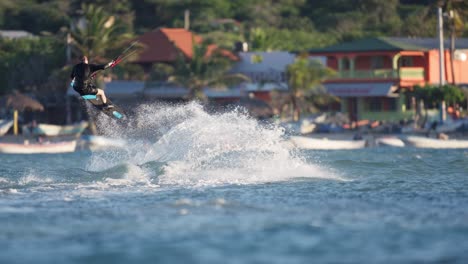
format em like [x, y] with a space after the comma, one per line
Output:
[15, 122]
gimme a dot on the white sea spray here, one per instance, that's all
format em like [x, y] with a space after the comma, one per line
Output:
[203, 149]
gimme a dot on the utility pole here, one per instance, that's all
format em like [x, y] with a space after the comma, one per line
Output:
[452, 44]
[441, 60]
[441, 47]
[68, 109]
[187, 19]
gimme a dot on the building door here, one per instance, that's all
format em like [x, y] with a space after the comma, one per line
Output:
[352, 109]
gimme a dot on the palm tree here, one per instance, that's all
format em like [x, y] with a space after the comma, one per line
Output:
[208, 67]
[304, 79]
[96, 32]
[259, 39]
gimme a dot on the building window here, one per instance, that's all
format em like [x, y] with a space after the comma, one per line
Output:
[389, 104]
[345, 64]
[380, 104]
[377, 62]
[373, 104]
[406, 62]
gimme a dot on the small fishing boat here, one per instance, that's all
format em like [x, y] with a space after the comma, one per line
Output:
[56, 130]
[425, 142]
[37, 148]
[327, 144]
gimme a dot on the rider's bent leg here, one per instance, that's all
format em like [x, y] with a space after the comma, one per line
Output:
[101, 93]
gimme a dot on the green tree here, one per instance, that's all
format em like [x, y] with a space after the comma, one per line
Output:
[418, 20]
[27, 64]
[33, 16]
[453, 94]
[120, 8]
[208, 67]
[433, 94]
[258, 40]
[97, 33]
[305, 77]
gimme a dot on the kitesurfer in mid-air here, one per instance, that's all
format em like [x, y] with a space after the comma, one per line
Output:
[82, 79]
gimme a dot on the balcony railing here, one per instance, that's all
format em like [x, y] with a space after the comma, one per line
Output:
[413, 73]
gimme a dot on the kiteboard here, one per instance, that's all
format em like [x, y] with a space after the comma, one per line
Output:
[114, 111]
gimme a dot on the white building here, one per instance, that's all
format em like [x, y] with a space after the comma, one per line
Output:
[15, 34]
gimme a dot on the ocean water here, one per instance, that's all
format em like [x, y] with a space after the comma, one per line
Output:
[194, 187]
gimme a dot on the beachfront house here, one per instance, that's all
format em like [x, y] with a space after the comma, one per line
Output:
[372, 74]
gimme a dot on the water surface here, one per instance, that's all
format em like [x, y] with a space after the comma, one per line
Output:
[194, 187]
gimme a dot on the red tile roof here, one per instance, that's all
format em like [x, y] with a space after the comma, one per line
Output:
[183, 39]
[161, 45]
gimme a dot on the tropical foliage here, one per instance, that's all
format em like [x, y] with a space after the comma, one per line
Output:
[208, 67]
[434, 95]
[26, 64]
[304, 80]
[96, 32]
[99, 26]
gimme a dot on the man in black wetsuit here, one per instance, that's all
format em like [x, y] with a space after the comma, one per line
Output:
[81, 81]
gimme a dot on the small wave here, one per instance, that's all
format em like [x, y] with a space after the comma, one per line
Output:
[9, 191]
[133, 176]
[33, 179]
[199, 148]
[4, 180]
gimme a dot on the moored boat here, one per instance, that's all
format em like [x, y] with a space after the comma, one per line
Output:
[326, 144]
[37, 148]
[56, 130]
[425, 142]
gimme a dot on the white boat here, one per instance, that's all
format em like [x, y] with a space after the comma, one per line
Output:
[37, 148]
[56, 130]
[389, 141]
[325, 143]
[100, 142]
[5, 126]
[425, 142]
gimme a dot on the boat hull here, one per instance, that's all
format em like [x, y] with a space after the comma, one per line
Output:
[424, 142]
[390, 142]
[38, 148]
[326, 144]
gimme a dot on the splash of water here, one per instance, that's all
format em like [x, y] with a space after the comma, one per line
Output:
[199, 148]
